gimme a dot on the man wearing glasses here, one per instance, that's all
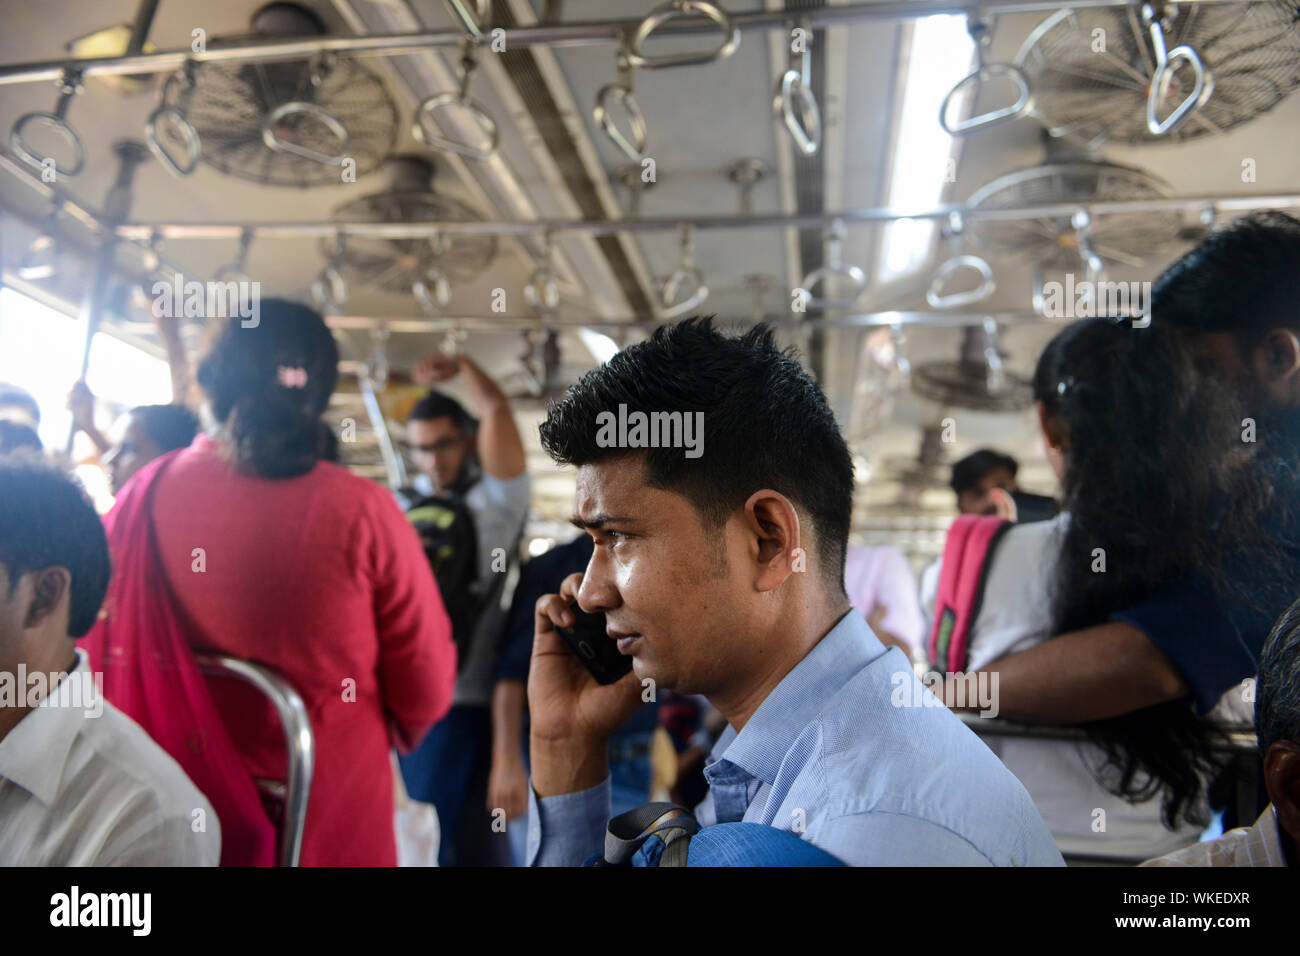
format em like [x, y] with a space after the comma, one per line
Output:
[473, 466]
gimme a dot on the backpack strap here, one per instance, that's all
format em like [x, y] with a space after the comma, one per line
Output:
[970, 542]
[628, 831]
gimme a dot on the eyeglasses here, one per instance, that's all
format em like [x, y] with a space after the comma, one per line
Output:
[440, 447]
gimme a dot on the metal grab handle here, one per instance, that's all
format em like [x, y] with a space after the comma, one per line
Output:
[855, 275]
[684, 275]
[432, 290]
[437, 141]
[295, 108]
[1166, 64]
[543, 291]
[804, 126]
[956, 299]
[795, 87]
[834, 267]
[680, 8]
[58, 125]
[181, 127]
[330, 290]
[69, 86]
[633, 148]
[673, 285]
[184, 131]
[468, 62]
[234, 271]
[1023, 104]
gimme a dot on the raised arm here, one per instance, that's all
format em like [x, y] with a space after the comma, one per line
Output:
[500, 449]
[1093, 674]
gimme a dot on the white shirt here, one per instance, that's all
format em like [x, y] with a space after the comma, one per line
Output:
[1016, 614]
[81, 787]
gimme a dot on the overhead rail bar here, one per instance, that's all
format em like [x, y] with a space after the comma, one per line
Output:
[578, 33]
[512, 324]
[610, 227]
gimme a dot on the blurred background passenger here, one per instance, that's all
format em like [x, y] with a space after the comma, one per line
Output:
[142, 434]
[81, 784]
[881, 586]
[471, 474]
[18, 406]
[1150, 498]
[1231, 301]
[14, 436]
[268, 553]
[976, 477]
[1274, 840]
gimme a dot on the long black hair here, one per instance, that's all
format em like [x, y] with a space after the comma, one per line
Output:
[269, 384]
[1151, 479]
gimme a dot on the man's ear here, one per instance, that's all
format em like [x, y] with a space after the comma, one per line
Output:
[50, 590]
[1282, 780]
[773, 523]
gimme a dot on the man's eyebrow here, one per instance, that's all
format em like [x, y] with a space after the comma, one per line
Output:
[598, 521]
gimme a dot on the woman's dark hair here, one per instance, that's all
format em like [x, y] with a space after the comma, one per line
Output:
[169, 426]
[269, 383]
[1150, 479]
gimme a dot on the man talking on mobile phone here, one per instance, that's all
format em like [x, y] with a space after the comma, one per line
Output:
[721, 573]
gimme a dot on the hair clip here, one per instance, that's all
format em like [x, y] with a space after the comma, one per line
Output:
[291, 376]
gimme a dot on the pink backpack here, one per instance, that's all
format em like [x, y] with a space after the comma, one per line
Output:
[970, 542]
[140, 645]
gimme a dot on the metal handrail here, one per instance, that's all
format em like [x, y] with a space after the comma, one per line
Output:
[611, 227]
[1239, 738]
[299, 738]
[577, 33]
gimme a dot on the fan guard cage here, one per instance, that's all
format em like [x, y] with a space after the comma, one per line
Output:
[394, 264]
[964, 385]
[230, 103]
[1121, 237]
[1251, 49]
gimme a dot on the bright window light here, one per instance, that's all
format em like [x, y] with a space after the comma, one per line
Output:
[40, 350]
[941, 53]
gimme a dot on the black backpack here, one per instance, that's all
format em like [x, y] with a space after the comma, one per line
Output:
[450, 540]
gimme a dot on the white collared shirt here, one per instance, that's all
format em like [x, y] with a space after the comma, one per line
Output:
[81, 786]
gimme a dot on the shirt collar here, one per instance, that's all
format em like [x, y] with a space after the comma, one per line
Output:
[34, 753]
[761, 747]
[1270, 837]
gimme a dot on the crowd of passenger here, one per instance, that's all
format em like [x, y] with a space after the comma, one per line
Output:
[788, 688]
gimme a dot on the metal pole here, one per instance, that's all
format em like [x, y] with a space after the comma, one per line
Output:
[580, 33]
[608, 227]
[130, 155]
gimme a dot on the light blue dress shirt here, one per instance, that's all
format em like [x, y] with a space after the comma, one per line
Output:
[838, 755]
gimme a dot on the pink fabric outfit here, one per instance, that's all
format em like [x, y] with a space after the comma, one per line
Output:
[322, 578]
[881, 575]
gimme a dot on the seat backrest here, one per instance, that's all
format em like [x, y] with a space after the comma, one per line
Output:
[300, 745]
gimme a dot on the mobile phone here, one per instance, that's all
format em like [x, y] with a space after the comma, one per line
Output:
[596, 650]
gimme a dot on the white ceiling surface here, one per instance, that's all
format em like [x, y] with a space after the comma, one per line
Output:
[699, 118]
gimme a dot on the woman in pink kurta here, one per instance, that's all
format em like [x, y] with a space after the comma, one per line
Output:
[271, 555]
